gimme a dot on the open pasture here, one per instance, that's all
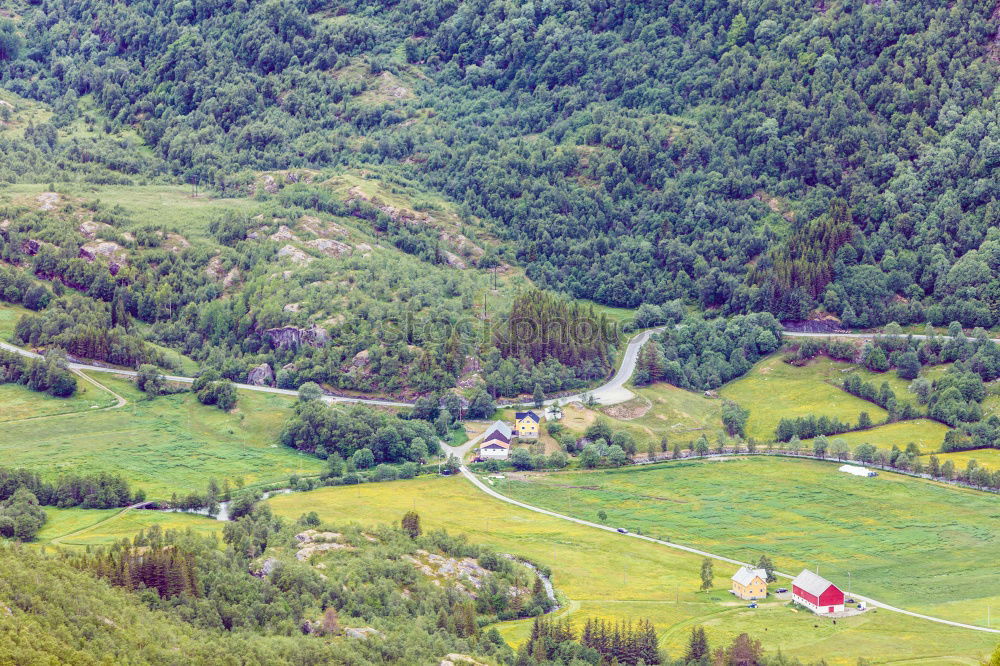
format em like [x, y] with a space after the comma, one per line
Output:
[988, 458]
[163, 445]
[601, 574]
[925, 433]
[103, 527]
[909, 542]
[21, 403]
[774, 390]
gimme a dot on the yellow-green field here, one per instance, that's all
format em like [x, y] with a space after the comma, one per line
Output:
[9, 314]
[925, 433]
[602, 574]
[103, 527]
[774, 390]
[802, 513]
[988, 458]
[21, 403]
[164, 445]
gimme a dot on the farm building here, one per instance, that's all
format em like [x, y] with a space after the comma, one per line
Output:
[750, 583]
[496, 443]
[857, 471]
[526, 425]
[817, 593]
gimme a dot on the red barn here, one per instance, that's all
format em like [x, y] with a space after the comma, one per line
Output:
[817, 593]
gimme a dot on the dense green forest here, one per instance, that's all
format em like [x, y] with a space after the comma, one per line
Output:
[631, 154]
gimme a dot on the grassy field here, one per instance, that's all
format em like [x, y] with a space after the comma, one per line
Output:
[925, 433]
[988, 458]
[21, 403]
[165, 445]
[9, 314]
[171, 205]
[773, 390]
[102, 527]
[602, 574]
[805, 513]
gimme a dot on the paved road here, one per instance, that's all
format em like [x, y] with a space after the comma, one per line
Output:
[611, 393]
[189, 380]
[614, 391]
[915, 336]
[476, 481]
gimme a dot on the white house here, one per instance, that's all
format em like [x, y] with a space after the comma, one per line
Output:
[496, 443]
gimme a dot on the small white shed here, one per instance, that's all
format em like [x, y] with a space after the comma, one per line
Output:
[857, 471]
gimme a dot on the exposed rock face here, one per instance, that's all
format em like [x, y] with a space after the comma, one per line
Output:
[102, 248]
[330, 248]
[313, 541]
[293, 336]
[47, 200]
[262, 375]
[265, 569]
[30, 246]
[361, 632]
[454, 260]
[90, 229]
[317, 226]
[283, 234]
[294, 254]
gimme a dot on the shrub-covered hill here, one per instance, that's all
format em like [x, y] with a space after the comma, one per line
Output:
[630, 152]
[270, 593]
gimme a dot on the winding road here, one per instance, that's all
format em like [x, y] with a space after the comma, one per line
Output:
[460, 451]
[612, 392]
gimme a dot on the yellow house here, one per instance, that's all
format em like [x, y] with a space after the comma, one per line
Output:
[526, 425]
[750, 583]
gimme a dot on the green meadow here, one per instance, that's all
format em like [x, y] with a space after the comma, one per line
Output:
[9, 314]
[103, 527]
[602, 574]
[21, 403]
[873, 534]
[988, 458]
[164, 445]
[925, 433]
[774, 390]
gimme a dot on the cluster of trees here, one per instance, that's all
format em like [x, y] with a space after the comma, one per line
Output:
[20, 516]
[807, 427]
[600, 642]
[47, 374]
[87, 491]
[148, 562]
[810, 348]
[86, 328]
[366, 437]
[211, 389]
[702, 354]
[252, 586]
[543, 326]
[18, 287]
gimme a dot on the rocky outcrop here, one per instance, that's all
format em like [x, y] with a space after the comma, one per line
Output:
[265, 568]
[30, 246]
[262, 375]
[314, 541]
[292, 337]
[361, 632]
[294, 254]
[283, 234]
[102, 248]
[330, 248]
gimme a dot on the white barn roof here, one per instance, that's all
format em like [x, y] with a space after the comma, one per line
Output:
[812, 583]
[746, 575]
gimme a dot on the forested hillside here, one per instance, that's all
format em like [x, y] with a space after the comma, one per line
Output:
[631, 153]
